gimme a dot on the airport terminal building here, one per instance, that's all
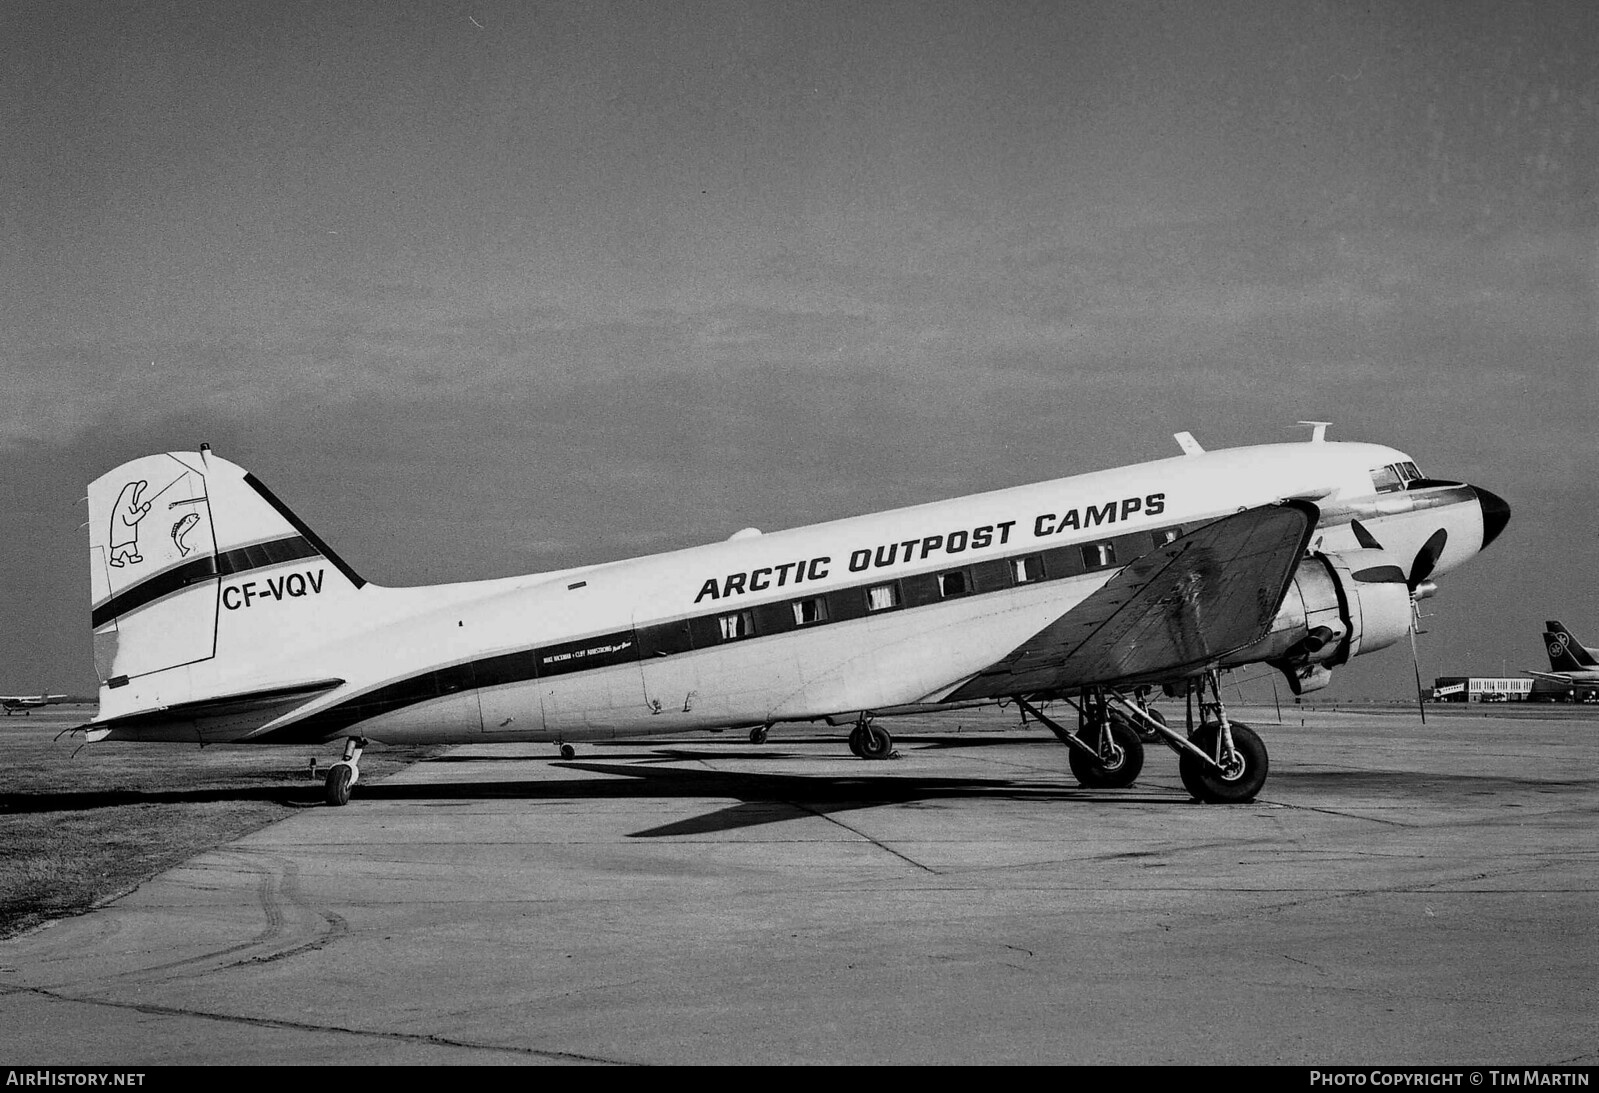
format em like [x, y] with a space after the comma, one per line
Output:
[1511, 689]
[1482, 689]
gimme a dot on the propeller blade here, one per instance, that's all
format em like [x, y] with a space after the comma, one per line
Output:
[1365, 538]
[1427, 558]
[1415, 661]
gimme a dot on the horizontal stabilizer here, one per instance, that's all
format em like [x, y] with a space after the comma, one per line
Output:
[253, 707]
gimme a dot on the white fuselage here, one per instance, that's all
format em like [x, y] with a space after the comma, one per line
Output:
[850, 615]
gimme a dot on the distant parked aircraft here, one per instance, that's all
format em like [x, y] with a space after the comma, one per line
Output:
[24, 703]
[1571, 664]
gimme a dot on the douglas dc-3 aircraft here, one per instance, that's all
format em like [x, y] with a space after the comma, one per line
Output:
[25, 703]
[219, 616]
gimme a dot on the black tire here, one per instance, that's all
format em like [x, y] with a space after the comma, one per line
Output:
[758, 734]
[876, 743]
[1120, 773]
[1214, 787]
[340, 778]
[568, 751]
[855, 742]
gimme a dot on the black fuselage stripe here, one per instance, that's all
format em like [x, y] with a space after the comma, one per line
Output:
[228, 563]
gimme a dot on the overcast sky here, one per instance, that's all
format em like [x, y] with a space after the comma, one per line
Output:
[487, 288]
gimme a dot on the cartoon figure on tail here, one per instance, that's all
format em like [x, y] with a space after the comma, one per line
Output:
[125, 517]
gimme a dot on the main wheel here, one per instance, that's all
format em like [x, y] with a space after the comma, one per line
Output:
[1240, 781]
[876, 743]
[340, 777]
[1126, 761]
[855, 736]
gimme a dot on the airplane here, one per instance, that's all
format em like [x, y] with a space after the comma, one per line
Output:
[25, 703]
[1571, 664]
[220, 617]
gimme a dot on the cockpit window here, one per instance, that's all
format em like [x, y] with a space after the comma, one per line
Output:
[1395, 476]
[1386, 480]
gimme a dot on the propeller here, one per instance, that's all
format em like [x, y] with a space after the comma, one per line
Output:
[1420, 569]
[1427, 559]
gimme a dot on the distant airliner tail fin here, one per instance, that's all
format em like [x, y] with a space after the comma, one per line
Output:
[1566, 653]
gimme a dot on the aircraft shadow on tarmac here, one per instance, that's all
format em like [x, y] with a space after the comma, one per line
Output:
[761, 798]
[764, 798]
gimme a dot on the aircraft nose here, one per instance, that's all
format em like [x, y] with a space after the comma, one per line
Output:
[1495, 514]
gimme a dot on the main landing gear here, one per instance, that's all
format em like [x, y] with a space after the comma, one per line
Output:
[1220, 761]
[1105, 752]
[871, 741]
[345, 773]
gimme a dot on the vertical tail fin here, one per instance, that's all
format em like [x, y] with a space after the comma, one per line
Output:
[1566, 653]
[199, 574]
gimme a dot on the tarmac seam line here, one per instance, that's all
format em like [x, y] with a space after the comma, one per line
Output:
[302, 1026]
[861, 834]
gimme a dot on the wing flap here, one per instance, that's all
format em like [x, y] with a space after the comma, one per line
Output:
[1171, 612]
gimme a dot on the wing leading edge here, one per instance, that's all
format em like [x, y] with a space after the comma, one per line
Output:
[1172, 612]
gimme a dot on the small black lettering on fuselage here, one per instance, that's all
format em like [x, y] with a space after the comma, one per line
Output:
[289, 586]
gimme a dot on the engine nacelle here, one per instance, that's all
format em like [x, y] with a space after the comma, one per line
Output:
[1338, 606]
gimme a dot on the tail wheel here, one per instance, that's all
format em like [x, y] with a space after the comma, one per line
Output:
[340, 778]
[875, 743]
[1115, 771]
[1243, 776]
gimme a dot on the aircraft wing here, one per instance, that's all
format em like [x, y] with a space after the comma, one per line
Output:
[1170, 613]
[1553, 677]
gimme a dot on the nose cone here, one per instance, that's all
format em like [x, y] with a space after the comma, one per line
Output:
[1495, 514]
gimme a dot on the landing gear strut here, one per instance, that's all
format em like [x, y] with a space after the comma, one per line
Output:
[1222, 761]
[343, 775]
[871, 741]
[1105, 752]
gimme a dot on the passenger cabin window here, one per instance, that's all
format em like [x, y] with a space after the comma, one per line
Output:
[1099, 555]
[810, 611]
[740, 625]
[881, 597]
[954, 584]
[1028, 569]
